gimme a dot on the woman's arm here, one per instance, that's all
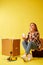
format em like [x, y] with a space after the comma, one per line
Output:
[25, 37]
[36, 36]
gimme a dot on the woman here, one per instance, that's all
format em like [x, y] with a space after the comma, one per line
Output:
[34, 41]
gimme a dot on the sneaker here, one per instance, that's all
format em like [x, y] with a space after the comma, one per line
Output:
[24, 58]
[29, 57]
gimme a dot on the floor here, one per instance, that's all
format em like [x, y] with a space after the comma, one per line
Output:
[34, 61]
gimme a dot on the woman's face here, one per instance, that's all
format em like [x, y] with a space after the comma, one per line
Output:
[32, 27]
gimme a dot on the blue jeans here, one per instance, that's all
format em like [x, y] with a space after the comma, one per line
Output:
[28, 46]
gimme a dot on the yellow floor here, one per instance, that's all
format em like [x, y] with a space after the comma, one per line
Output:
[34, 61]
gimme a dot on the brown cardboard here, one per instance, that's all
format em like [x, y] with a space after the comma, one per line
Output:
[11, 45]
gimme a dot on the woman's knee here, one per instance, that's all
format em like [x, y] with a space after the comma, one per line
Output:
[30, 43]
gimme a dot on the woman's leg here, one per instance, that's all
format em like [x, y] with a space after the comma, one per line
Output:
[31, 45]
[25, 44]
[28, 47]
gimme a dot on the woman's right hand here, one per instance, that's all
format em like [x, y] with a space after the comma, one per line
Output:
[23, 36]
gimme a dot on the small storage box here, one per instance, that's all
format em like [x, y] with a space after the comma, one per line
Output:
[11, 45]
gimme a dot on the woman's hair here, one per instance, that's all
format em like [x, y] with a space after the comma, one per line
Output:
[35, 26]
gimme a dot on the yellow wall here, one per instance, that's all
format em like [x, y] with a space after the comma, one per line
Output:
[16, 15]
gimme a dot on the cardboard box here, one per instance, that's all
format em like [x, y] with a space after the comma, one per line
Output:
[11, 45]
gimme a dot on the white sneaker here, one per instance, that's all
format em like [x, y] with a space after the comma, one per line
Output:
[29, 57]
[24, 58]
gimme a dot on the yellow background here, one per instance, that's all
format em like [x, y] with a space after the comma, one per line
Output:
[16, 15]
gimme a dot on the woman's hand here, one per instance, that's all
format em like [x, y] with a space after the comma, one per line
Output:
[23, 36]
